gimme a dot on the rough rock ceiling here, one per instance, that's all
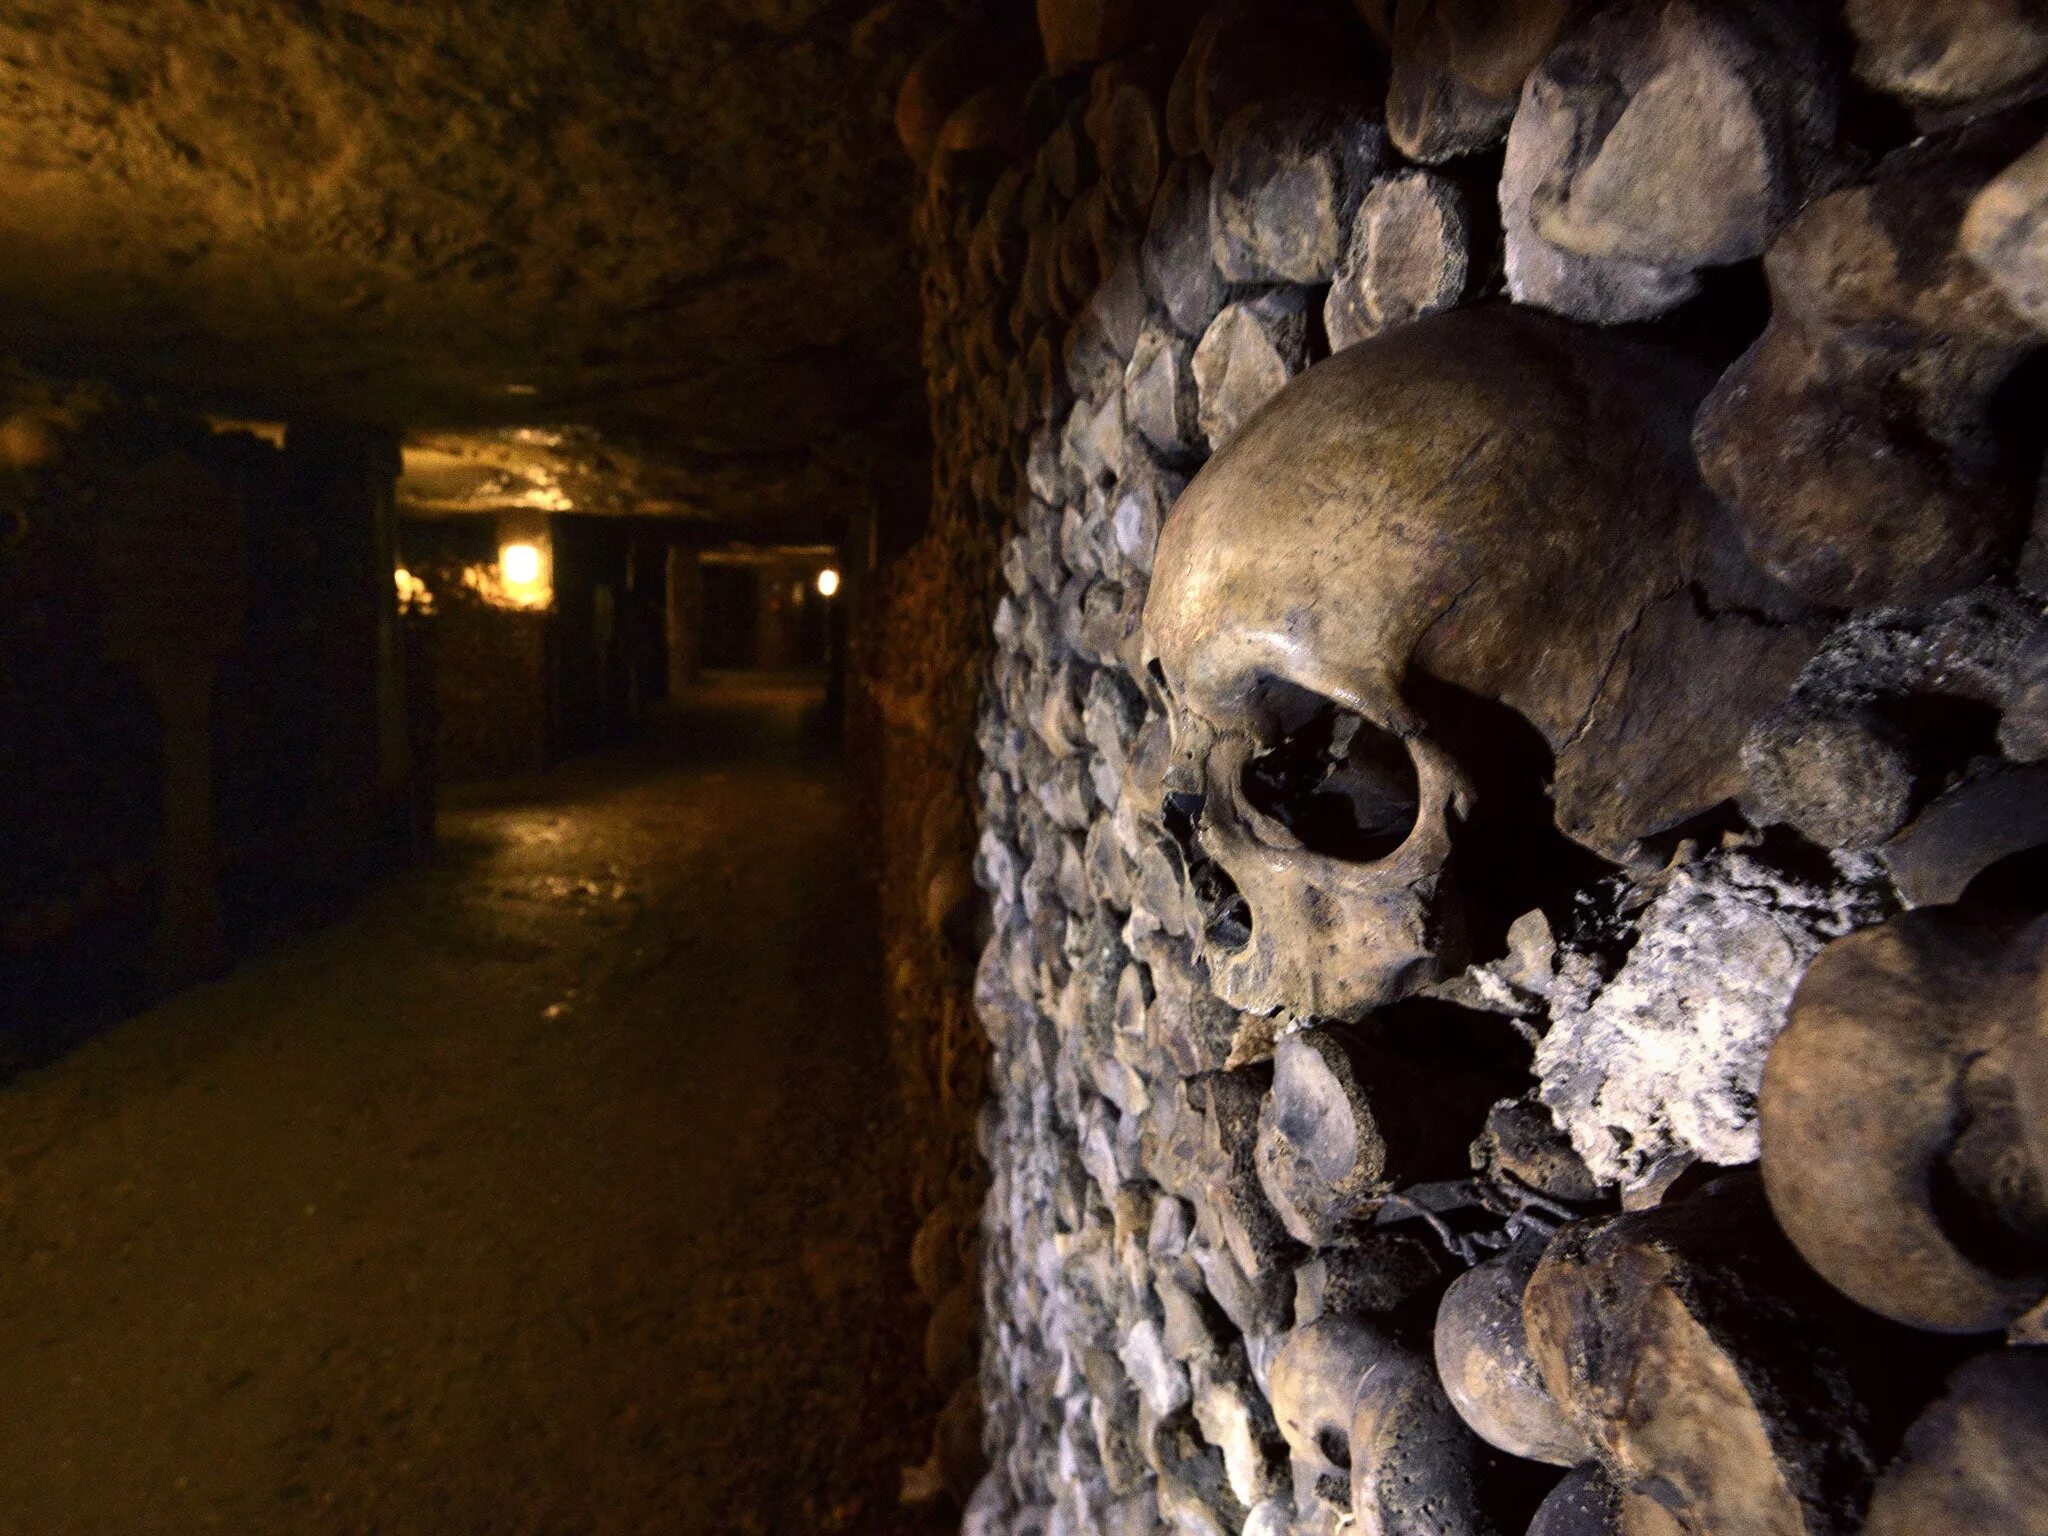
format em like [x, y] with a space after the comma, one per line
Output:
[579, 469]
[681, 223]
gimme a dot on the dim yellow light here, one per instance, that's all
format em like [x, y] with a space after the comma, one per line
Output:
[828, 582]
[519, 564]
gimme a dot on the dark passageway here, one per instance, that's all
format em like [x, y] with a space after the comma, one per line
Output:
[558, 1189]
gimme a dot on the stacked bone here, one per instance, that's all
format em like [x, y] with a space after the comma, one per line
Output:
[1307, 1135]
[960, 115]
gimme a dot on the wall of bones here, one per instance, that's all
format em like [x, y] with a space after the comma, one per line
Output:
[1511, 762]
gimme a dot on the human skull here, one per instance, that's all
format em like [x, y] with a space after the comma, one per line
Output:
[1442, 567]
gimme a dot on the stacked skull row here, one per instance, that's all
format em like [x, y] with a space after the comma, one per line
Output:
[1461, 783]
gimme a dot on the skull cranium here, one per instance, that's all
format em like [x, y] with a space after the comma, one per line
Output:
[1438, 569]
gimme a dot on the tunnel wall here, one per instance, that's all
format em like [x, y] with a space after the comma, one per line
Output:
[493, 692]
[515, 688]
[202, 701]
[684, 620]
[1132, 239]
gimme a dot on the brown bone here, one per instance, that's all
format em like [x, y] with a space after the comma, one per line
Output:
[1679, 1342]
[1357, 1410]
[1356, 1111]
[1289, 177]
[1698, 129]
[1179, 267]
[1912, 1063]
[968, 59]
[1661, 137]
[1078, 33]
[1248, 51]
[1482, 1355]
[1459, 67]
[2006, 233]
[1853, 438]
[1408, 256]
[1129, 134]
[1977, 1460]
[1250, 351]
[1954, 57]
[1586, 1503]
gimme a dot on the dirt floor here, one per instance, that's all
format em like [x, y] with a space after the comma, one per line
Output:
[558, 1190]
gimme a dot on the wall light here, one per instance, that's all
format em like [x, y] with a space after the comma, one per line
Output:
[519, 564]
[524, 577]
[828, 582]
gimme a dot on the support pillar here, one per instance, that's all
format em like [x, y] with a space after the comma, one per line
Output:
[685, 621]
[344, 478]
[171, 556]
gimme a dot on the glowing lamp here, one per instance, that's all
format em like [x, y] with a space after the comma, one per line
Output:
[828, 582]
[519, 564]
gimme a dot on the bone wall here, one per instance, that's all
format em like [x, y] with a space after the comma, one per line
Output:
[1416, 1268]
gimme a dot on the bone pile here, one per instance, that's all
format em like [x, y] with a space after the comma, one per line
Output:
[1517, 990]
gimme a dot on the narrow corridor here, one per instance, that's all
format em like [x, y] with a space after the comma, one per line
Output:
[559, 1189]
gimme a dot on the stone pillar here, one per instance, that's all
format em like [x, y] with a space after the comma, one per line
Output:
[343, 478]
[685, 620]
[847, 613]
[774, 648]
[171, 558]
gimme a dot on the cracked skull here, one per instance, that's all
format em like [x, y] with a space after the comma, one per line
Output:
[1450, 613]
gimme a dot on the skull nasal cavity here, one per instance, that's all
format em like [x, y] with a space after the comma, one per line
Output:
[1341, 784]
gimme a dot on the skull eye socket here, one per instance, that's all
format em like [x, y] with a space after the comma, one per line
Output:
[1342, 785]
[1226, 915]
[1336, 1447]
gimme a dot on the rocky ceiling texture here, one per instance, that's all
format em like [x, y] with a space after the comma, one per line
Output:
[678, 224]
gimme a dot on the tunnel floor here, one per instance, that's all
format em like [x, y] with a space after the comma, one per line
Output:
[559, 1189]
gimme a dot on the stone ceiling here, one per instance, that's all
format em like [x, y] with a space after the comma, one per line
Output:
[681, 224]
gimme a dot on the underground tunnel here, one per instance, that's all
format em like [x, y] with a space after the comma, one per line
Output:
[1079, 768]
